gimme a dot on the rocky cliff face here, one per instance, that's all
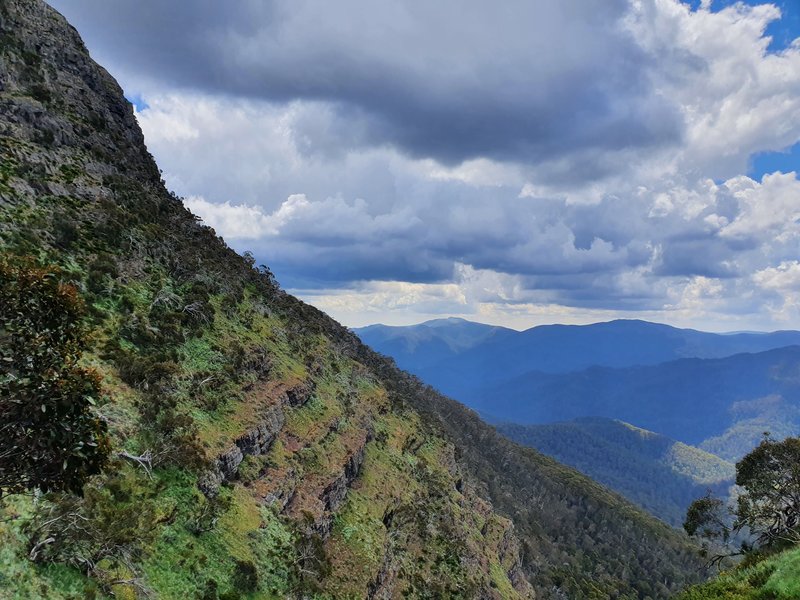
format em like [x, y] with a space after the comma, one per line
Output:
[288, 460]
[45, 67]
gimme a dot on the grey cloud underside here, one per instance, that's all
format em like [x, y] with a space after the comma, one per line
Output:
[307, 266]
[525, 81]
[576, 251]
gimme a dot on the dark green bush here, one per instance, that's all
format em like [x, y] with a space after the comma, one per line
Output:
[245, 576]
[51, 438]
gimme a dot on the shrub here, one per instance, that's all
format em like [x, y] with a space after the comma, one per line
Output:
[50, 437]
[99, 532]
[245, 576]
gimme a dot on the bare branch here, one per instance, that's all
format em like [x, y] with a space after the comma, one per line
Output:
[34, 553]
[145, 461]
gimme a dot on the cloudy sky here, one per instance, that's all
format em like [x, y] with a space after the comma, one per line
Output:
[519, 163]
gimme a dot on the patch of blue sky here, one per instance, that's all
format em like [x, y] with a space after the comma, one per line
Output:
[138, 102]
[769, 162]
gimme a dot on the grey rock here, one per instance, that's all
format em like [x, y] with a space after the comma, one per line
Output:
[254, 442]
[334, 494]
[300, 394]
[259, 439]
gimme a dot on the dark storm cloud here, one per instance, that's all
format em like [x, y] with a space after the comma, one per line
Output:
[453, 80]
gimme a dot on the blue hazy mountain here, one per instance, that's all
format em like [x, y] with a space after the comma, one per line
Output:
[659, 474]
[691, 399]
[416, 347]
[718, 391]
[459, 357]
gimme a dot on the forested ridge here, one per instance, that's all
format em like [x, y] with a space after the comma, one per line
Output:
[657, 473]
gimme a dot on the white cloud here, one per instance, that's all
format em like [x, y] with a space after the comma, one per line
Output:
[736, 98]
[784, 277]
[644, 209]
[234, 222]
[769, 212]
[783, 282]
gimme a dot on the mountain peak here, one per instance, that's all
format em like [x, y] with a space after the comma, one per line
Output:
[62, 96]
[446, 321]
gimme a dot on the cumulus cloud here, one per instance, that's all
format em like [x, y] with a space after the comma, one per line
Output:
[782, 284]
[564, 161]
[785, 276]
[769, 212]
[736, 98]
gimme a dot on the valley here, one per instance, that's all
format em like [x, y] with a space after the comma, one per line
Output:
[581, 394]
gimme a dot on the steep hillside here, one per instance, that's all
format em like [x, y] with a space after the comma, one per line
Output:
[749, 419]
[657, 473]
[775, 578]
[690, 400]
[558, 349]
[280, 456]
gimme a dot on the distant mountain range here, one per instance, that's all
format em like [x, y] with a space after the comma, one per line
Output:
[657, 473]
[720, 391]
[571, 392]
[455, 355]
[419, 347]
[691, 399]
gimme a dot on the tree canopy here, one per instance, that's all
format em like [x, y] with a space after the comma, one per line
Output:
[768, 507]
[50, 438]
[770, 476]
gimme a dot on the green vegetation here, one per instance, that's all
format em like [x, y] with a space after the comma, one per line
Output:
[767, 504]
[49, 437]
[773, 577]
[194, 350]
[750, 419]
[770, 504]
[659, 474]
[766, 515]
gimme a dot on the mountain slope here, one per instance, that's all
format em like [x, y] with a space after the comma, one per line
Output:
[659, 474]
[689, 400]
[288, 459]
[775, 577]
[750, 419]
[562, 349]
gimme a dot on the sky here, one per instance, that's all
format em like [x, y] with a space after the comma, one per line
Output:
[515, 163]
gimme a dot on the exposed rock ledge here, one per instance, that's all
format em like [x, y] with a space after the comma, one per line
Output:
[254, 442]
[336, 491]
[257, 440]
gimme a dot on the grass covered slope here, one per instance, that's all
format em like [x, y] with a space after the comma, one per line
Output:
[655, 472]
[288, 460]
[774, 578]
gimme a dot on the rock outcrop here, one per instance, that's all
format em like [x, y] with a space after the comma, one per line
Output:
[254, 442]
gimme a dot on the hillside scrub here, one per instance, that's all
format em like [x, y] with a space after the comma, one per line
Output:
[50, 437]
[659, 474]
